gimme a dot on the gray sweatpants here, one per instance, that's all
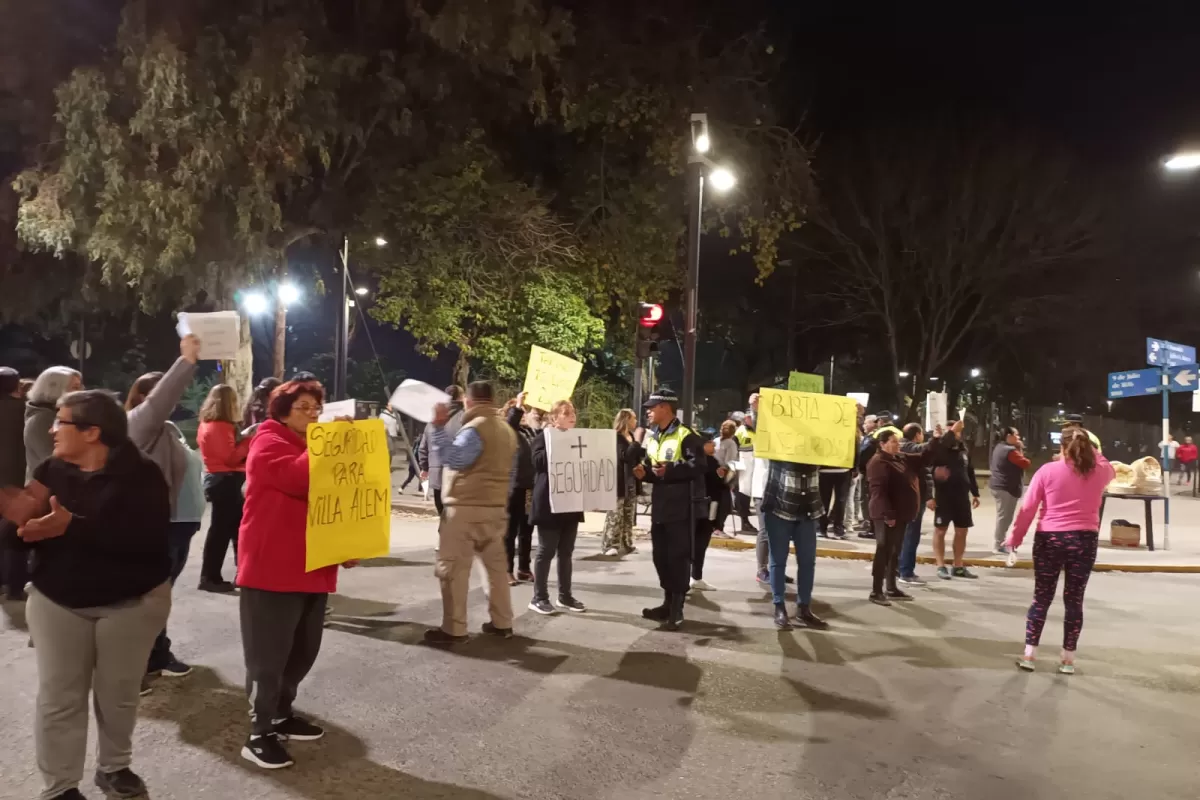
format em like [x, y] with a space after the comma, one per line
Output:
[1006, 509]
[281, 636]
[98, 650]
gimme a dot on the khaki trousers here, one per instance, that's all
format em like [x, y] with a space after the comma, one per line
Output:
[467, 532]
[98, 650]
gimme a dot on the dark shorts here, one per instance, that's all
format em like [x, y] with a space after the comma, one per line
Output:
[953, 508]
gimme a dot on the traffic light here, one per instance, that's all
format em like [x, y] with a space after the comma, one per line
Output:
[651, 321]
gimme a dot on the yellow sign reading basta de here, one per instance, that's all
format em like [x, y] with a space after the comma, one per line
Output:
[349, 493]
[806, 428]
[551, 377]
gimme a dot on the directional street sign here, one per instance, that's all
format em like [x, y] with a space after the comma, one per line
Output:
[1135, 383]
[1184, 379]
[1161, 353]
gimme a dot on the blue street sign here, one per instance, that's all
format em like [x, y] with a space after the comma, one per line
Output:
[1134, 383]
[1185, 378]
[1161, 353]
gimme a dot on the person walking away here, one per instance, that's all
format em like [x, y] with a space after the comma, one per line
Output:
[672, 461]
[834, 483]
[617, 540]
[791, 508]
[479, 463]
[1187, 456]
[257, 410]
[913, 444]
[1069, 492]
[1008, 465]
[281, 605]
[96, 517]
[744, 434]
[895, 480]
[224, 456]
[14, 566]
[727, 456]
[955, 495]
[556, 532]
[431, 468]
[189, 513]
[714, 486]
[518, 541]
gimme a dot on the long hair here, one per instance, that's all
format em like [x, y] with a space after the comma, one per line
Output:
[220, 405]
[621, 423]
[559, 408]
[141, 389]
[728, 429]
[260, 400]
[1078, 450]
[51, 385]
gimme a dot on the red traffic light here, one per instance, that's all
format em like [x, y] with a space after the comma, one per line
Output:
[651, 315]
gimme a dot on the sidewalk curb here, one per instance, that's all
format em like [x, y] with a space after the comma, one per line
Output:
[862, 555]
[414, 508]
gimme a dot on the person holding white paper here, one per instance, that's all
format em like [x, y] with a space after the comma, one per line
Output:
[556, 532]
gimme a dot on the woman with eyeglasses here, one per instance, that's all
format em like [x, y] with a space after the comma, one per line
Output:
[282, 606]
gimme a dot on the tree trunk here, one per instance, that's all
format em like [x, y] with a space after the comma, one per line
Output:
[462, 369]
[280, 350]
[239, 373]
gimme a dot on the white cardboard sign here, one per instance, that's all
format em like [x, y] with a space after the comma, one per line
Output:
[219, 333]
[338, 408]
[583, 469]
[935, 410]
[417, 399]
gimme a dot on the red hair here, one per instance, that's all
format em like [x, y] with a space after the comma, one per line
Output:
[286, 395]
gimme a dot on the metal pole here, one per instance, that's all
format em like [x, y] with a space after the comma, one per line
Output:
[82, 341]
[1166, 431]
[637, 385]
[341, 354]
[830, 391]
[692, 292]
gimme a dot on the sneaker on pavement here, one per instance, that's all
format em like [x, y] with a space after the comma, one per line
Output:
[866, 535]
[943, 573]
[267, 751]
[879, 599]
[896, 594]
[296, 729]
[701, 586]
[524, 575]
[612, 552]
[571, 604]
[122, 783]
[174, 668]
[71, 794]
[541, 607]
[438, 636]
[492, 630]
[1001, 550]
[788, 579]
[763, 576]
[963, 572]
[911, 580]
[147, 686]
[216, 587]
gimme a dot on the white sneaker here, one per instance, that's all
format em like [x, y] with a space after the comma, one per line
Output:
[701, 586]
[612, 552]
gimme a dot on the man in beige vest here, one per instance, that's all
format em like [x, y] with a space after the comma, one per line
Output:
[479, 461]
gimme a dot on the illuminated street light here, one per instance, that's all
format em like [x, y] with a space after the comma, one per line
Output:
[721, 179]
[361, 290]
[255, 303]
[933, 380]
[1181, 162]
[976, 372]
[702, 143]
[903, 374]
[380, 241]
[289, 294]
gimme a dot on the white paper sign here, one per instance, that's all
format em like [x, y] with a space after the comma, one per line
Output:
[862, 398]
[935, 410]
[339, 408]
[583, 469]
[219, 333]
[752, 474]
[1195, 402]
[758, 487]
[417, 399]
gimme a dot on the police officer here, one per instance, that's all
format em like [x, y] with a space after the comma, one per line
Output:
[674, 463]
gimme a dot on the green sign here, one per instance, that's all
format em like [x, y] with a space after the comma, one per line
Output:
[803, 382]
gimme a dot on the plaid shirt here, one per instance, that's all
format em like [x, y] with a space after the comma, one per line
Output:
[792, 492]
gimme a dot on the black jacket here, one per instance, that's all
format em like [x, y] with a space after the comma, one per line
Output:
[629, 454]
[952, 470]
[115, 548]
[12, 441]
[714, 484]
[681, 487]
[523, 477]
[540, 513]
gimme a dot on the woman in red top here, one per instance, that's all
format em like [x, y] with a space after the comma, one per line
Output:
[282, 605]
[1186, 455]
[224, 457]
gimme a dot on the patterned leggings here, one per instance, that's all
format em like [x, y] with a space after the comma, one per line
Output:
[1073, 552]
[618, 526]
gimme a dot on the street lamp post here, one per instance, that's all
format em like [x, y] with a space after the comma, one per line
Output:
[341, 339]
[256, 303]
[699, 167]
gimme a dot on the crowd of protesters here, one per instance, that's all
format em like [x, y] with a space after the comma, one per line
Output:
[100, 503]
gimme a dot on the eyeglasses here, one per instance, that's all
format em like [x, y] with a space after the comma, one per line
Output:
[308, 408]
[58, 423]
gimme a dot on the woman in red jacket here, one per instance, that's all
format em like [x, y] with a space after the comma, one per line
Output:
[282, 606]
[1187, 455]
[224, 457]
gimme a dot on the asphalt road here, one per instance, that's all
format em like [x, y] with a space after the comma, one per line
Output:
[916, 701]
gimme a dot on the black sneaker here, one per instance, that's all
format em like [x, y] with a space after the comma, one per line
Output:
[216, 587]
[879, 599]
[174, 668]
[267, 751]
[571, 604]
[541, 607]
[122, 783]
[896, 594]
[492, 630]
[70, 794]
[963, 572]
[657, 614]
[298, 730]
[439, 637]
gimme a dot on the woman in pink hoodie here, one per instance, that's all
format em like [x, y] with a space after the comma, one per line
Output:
[1069, 491]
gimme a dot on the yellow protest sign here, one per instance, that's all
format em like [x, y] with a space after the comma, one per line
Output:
[806, 428]
[551, 377]
[349, 492]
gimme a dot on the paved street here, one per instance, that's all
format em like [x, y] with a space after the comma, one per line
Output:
[916, 701]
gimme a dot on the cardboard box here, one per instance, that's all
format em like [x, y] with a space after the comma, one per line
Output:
[1125, 535]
